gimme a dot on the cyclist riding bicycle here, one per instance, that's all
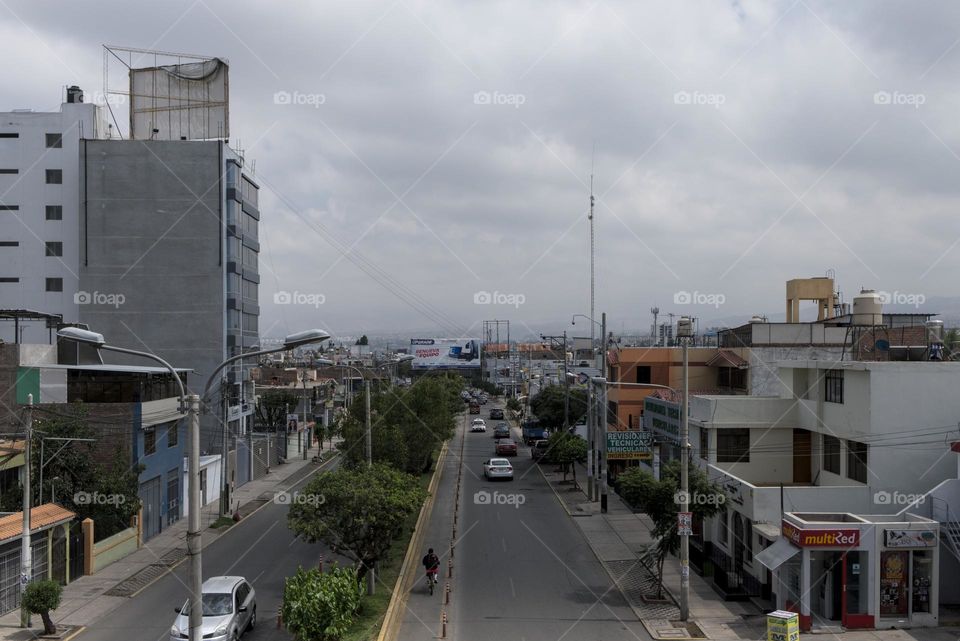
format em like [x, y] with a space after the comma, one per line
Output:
[432, 564]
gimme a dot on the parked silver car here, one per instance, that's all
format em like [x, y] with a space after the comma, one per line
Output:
[229, 610]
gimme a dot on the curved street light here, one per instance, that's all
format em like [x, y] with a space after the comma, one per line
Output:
[191, 405]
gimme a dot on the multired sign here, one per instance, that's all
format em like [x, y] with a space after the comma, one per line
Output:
[820, 537]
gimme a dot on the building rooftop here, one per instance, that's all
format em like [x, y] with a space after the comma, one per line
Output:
[46, 515]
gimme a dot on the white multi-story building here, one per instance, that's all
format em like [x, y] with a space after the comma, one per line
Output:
[845, 441]
[40, 211]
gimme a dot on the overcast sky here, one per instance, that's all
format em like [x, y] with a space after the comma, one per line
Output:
[441, 150]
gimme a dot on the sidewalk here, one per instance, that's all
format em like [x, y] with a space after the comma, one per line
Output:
[620, 538]
[86, 600]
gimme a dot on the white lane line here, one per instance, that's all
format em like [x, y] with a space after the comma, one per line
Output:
[513, 590]
[503, 542]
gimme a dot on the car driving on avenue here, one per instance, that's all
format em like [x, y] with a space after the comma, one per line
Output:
[478, 425]
[496, 414]
[229, 610]
[538, 450]
[497, 468]
[506, 447]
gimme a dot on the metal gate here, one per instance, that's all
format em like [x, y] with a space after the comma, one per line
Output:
[58, 565]
[150, 499]
[9, 577]
[75, 541]
[39, 560]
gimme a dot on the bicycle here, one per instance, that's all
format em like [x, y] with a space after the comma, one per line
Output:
[431, 579]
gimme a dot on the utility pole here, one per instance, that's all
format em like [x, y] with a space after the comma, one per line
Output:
[684, 331]
[369, 431]
[592, 279]
[224, 478]
[603, 373]
[566, 387]
[26, 562]
[306, 430]
[603, 421]
[195, 583]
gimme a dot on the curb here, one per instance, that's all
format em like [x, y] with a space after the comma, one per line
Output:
[390, 626]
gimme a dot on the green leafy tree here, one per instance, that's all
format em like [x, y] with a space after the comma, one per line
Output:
[514, 405]
[363, 340]
[660, 501]
[357, 512]
[565, 449]
[76, 470]
[320, 606]
[489, 387]
[273, 407]
[548, 406]
[407, 424]
[951, 341]
[42, 597]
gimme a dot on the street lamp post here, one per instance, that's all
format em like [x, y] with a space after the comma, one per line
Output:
[684, 332]
[191, 404]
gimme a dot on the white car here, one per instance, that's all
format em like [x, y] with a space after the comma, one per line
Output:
[497, 468]
[478, 425]
[229, 610]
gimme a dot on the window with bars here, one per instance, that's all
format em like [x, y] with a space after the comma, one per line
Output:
[733, 445]
[54, 248]
[831, 454]
[54, 141]
[54, 212]
[54, 176]
[833, 386]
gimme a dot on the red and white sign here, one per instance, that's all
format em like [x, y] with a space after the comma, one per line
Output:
[821, 537]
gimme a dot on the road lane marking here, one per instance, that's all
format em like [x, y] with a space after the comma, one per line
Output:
[513, 590]
[503, 542]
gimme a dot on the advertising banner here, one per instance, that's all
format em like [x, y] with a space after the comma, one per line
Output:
[821, 537]
[630, 445]
[445, 353]
[783, 626]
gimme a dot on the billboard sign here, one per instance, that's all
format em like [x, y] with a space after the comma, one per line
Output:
[629, 445]
[445, 353]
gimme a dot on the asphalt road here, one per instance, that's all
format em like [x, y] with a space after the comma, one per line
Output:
[260, 548]
[523, 571]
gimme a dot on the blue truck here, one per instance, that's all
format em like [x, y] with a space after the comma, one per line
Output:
[532, 431]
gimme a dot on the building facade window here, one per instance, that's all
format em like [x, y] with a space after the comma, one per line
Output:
[857, 461]
[149, 441]
[831, 454]
[54, 284]
[9, 134]
[9, 243]
[9, 207]
[173, 496]
[733, 445]
[723, 528]
[54, 248]
[643, 374]
[54, 176]
[704, 443]
[54, 141]
[833, 384]
[173, 435]
[9, 172]
[54, 212]
[15, 279]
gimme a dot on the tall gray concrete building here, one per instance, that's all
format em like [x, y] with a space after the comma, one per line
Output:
[168, 261]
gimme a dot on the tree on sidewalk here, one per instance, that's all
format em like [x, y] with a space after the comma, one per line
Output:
[356, 512]
[42, 597]
[660, 500]
[565, 450]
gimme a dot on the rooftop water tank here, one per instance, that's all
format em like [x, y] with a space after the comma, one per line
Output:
[867, 308]
[74, 94]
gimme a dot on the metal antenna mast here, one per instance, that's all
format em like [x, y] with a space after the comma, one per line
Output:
[592, 273]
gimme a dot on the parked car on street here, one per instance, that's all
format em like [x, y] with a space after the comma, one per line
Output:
[538, 450]
[497, 468]
[229, 610]
[506, 447]
[496, 414]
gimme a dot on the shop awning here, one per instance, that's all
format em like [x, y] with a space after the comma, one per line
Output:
[777, 554]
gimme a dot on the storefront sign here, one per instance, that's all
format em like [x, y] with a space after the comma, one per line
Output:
[629, 445]
[820, 537]
[910, 538]
[783, 626]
